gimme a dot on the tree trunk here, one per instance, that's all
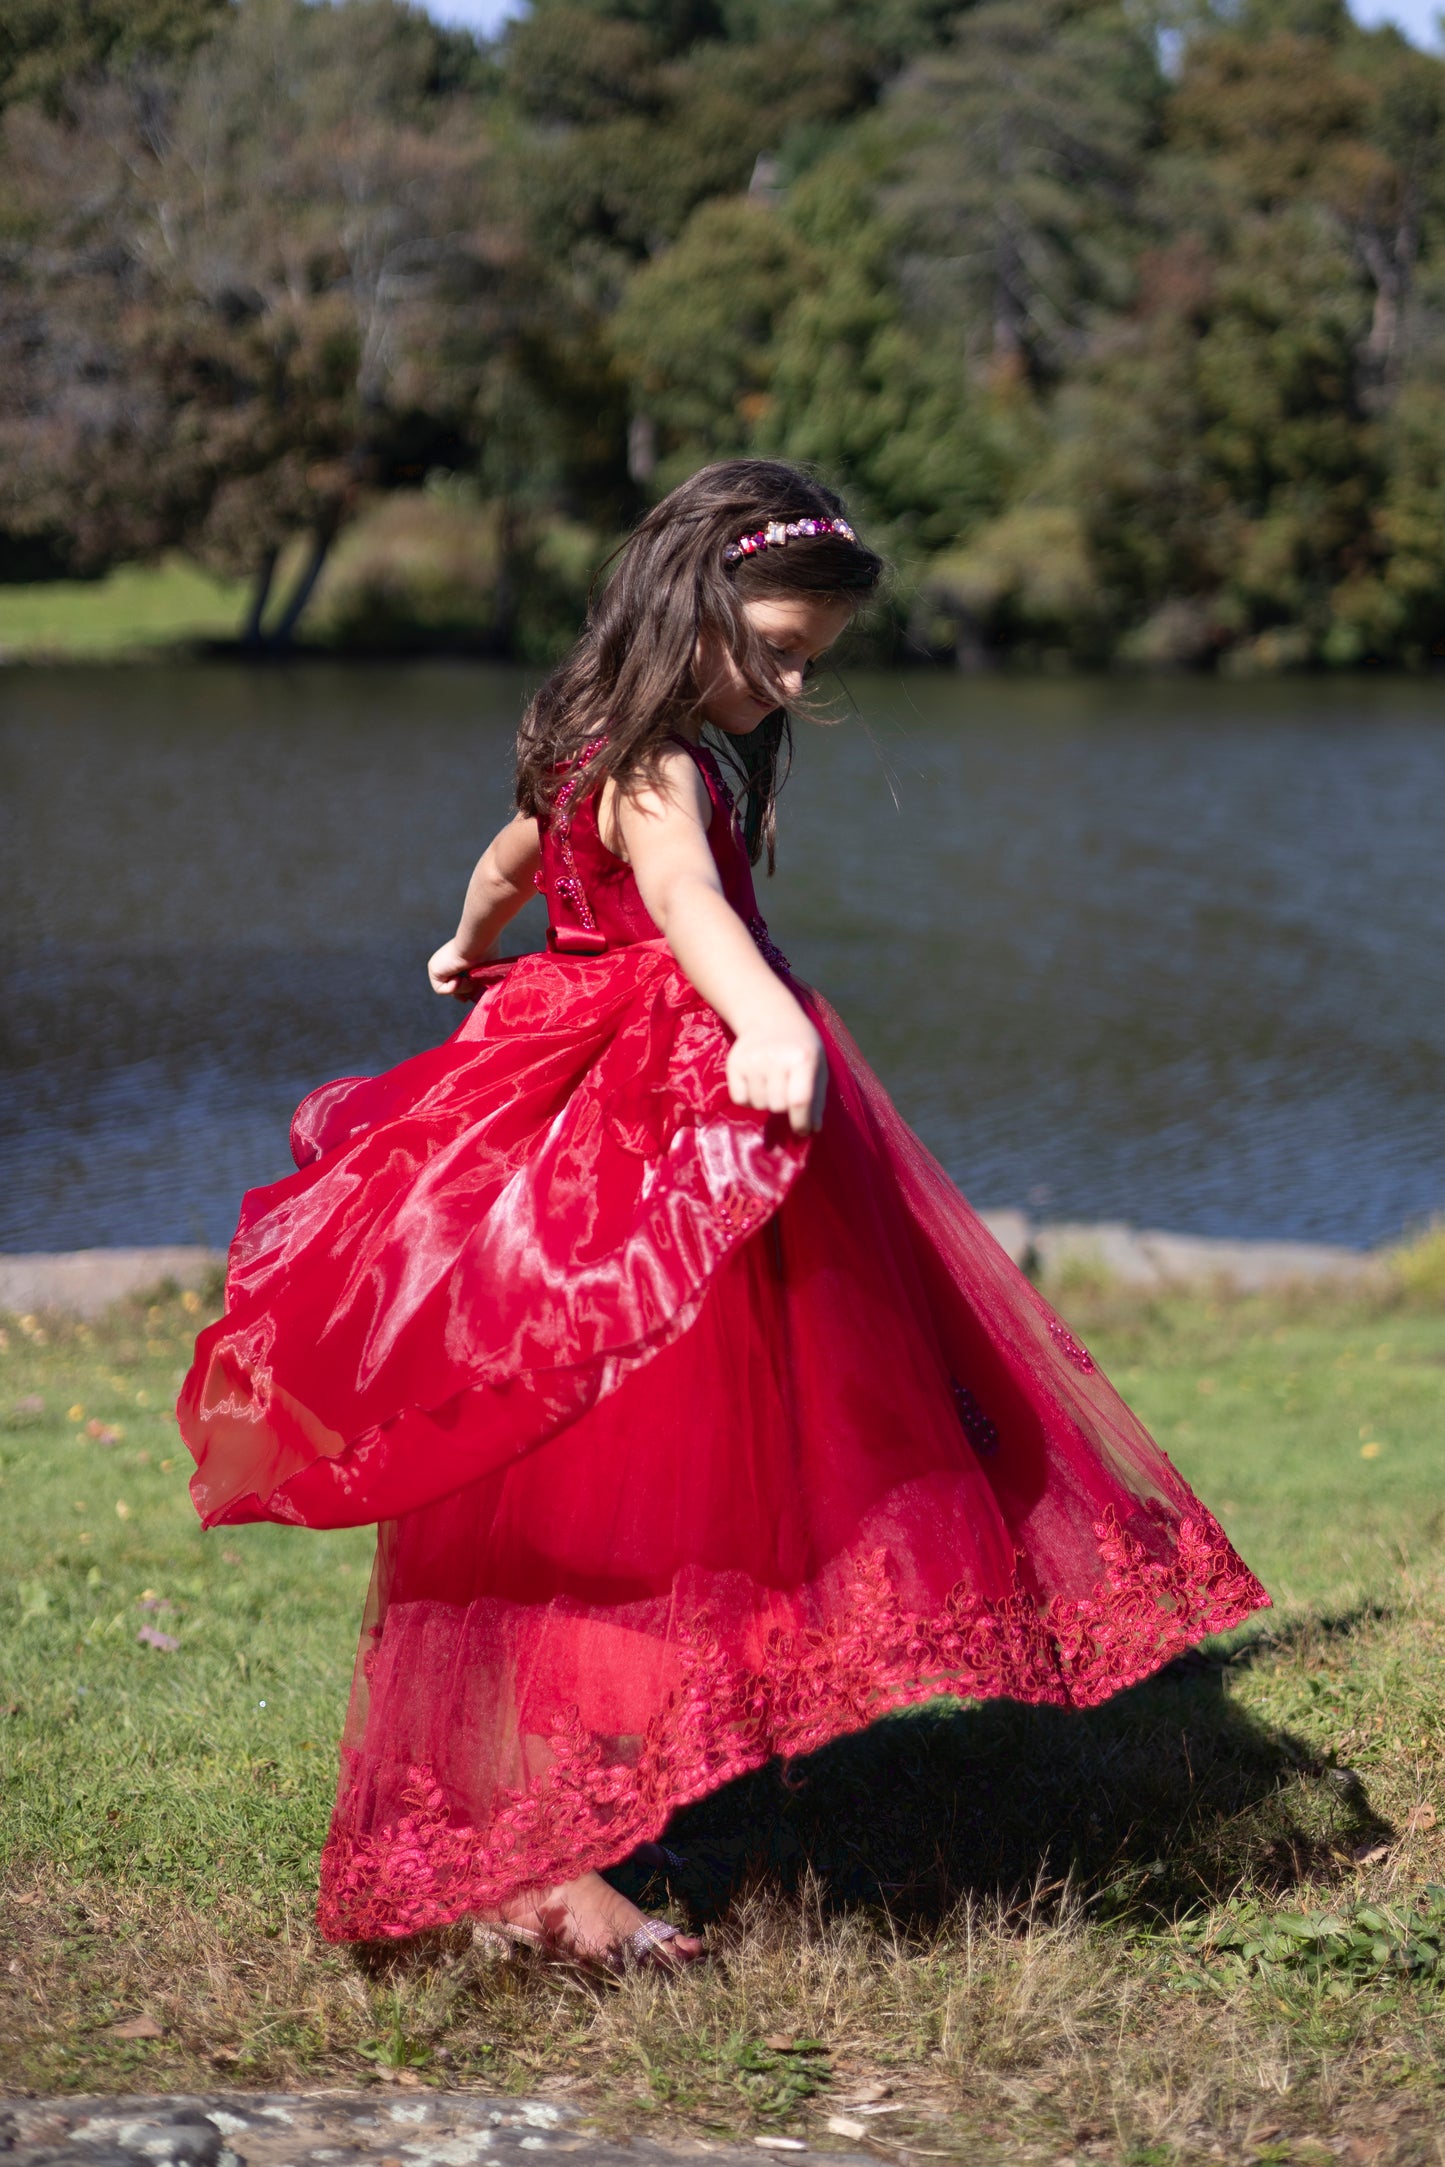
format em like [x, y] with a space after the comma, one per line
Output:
[260, 595]
[642, 449]
[323, 535]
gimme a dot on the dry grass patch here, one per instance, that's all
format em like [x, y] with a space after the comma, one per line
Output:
[1195, 1924]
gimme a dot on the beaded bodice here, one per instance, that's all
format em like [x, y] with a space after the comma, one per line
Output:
[593, 901]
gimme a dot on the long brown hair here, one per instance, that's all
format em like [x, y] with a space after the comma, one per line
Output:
[630, 679]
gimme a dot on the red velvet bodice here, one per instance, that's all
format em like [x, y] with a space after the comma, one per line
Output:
[593, 902]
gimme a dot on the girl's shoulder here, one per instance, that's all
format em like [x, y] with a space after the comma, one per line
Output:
[679, 780]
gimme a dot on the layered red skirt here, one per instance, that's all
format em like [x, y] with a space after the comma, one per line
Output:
[692, 1443]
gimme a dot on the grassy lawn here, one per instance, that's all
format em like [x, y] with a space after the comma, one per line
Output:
[137, 606]
[1202, 1923]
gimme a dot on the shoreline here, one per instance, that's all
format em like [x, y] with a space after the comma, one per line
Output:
[85, 1282]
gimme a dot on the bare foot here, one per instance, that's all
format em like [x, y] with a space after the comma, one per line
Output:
[588, 1919]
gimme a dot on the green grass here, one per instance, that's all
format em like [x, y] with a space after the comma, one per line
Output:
[136, 607]
[1202, 1922]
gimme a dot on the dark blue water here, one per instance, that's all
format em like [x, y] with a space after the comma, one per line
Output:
[1172, 953]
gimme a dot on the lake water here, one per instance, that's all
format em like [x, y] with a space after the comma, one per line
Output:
[1167, 952]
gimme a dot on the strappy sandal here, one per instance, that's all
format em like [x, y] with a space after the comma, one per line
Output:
[643, 1946]
[640, 1950]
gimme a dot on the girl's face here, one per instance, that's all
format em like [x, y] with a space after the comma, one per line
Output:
[797, 628]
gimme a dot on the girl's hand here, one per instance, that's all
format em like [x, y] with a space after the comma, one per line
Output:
[781, 1071]
[450, 971]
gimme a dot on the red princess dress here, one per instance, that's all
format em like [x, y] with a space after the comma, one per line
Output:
[692, 1442]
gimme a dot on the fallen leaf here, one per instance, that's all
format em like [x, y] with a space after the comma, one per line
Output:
[150, 1636]
[840, 2126]
[230, 1557]
[861, 2094]
[1370, 1854]
[35, 1600]
[780, 2042]
[1421, 1817]
[137, 2028]
[122, 1509]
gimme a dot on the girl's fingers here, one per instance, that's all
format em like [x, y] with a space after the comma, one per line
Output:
[805, 1106]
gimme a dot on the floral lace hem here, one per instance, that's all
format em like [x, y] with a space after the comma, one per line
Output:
[593, 1808]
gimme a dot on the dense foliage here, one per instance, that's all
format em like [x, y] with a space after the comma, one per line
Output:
[1123, 336]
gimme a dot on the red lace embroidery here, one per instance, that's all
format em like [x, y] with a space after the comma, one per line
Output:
[593, 1806]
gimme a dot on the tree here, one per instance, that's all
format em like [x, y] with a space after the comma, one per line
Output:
[1018, 154]
[258, 290]
[870, 390]
[695, 333]
[48, 47]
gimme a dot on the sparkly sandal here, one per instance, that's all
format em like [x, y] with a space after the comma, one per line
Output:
[643, 1946]
[637, 1951]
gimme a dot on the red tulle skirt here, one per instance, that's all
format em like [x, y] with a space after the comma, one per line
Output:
[692, 1443]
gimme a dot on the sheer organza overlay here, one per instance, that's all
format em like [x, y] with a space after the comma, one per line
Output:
[692, 1443]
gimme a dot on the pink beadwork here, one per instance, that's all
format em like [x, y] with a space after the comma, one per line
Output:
[1072, 1348]
[594, 1805]
[784, 530]
[768, 948]
[569, 884]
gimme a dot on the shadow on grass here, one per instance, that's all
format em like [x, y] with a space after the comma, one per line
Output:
[1169, 1796]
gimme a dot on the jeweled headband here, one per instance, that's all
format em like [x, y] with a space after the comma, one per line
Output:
[784, 530]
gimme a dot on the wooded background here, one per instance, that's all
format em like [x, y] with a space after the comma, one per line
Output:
[1121, 325]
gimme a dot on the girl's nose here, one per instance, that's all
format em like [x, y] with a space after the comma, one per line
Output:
[793, 684]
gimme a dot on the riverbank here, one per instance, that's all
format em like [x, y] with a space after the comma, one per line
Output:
[84, 1282]
[1193, 1925]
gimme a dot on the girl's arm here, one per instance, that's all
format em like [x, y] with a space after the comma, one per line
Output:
[498, 888]
[776, 1062]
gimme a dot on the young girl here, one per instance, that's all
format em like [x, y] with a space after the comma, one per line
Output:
[702, 1418]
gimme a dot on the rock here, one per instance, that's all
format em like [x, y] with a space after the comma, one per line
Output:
[1011, 1230]
[1145, 1258]
[374, 2128]
[84, 1282]
[174, 2135]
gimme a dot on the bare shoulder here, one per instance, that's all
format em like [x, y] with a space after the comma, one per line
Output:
[680, 780]
[675, 792]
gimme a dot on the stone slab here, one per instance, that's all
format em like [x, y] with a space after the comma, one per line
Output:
[84, 1282]
[1010, 1229]
[1143, 1257]
[388, 2126]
